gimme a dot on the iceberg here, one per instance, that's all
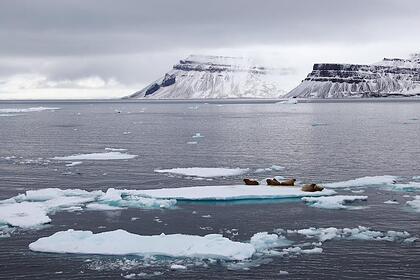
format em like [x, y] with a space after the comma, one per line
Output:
[334, 202]
[121, 242]
[97, 156]
[204, 172]
[364, 181]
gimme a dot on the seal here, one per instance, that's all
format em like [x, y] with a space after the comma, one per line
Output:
[251, 182]
[312, 188]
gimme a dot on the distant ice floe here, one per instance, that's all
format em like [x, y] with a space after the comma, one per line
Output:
[9, 115]
[204, 172]
[391, 202]
[27, 110]
[197, 135]
[115, 149]
[97, 156]
[410, 186]
[416, 177]
[288, 101]
[364, 181]
[415, 204]
[269, 169]
[334, 202]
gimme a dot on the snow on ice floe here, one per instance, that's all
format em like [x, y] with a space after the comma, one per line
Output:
[415, 204]
[28, 110]
[204, 172]
[228, 192]
[364, 181]
[97, 156]
[358, 233]
[334, 202]
[121, 242]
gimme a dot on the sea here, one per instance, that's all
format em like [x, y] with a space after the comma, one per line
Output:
[314, 142]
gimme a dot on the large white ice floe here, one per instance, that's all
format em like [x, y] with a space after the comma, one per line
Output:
[228, 192]
[410, 186]
[97, 156]
[204, 172]
[334, 202]
[358, 233]
[415, 204]
[364, 181]
[27, 110]
[121, 242]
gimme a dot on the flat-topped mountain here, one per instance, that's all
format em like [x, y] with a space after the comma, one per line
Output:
[389, 77]
[200, 76]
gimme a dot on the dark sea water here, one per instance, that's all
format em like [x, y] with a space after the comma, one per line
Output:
[315, 142]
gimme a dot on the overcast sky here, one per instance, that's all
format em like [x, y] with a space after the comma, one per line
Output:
[110, 48]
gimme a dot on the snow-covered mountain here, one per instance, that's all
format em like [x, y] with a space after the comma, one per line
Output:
[200, 76]
[390, 77]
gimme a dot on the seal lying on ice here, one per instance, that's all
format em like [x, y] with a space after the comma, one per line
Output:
[275, 182]
[312, 188]
[251, 182]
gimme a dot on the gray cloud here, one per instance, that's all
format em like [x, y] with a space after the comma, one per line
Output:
[135, 41]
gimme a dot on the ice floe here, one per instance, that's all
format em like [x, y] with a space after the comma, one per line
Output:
[97, 156]
[228, 192]
[358, 233]
[364, 181]
[415, 204]
[391, 202]
[204, 172]
[288, 101]
[115, 149]
[197, 135]
[334, 202]
[121, 242]
[410, 186]
[269, 169]
[27, 110]
[74, 163]
[416, 177]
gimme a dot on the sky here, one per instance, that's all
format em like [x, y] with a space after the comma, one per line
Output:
[109, 49]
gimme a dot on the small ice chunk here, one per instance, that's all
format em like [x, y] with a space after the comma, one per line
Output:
[197, 135]
[178, 267]
[269, 169]
[288, 101]
[333, 202]
[205, 172]
[115, 149]
[74, 163]
[97, 156]
[416, 177]
[415, 204]
[364, 181]
[263, 241]
[391, 202]
[192, 142]
[27, 110]
[410, 186]
[121, 242]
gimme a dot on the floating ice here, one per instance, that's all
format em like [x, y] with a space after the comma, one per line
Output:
[9, 115]
[269, 169]
[74, 163]
[263, 241]
[288, 101]
[364, 181]
[415, 203]
[27, 110]
[192, 142]
[410, 186]
[416, 177]
[204, 172]
[97, 156]
[333, 202]
[197, 135]
[121, 242]
[391, 202]
[115, 149]
[359, 233]
[178, 266]
[228, 192]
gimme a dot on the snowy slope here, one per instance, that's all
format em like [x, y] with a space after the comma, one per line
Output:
[390, 77]
[215, 77]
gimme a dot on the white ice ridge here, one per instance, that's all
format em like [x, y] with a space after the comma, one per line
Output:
[27, 110]
[358, 233]
[204, 172]
[364, 181]
[31, 209]
[121, 242]
[97, 156]
[334, 202]
[228, 192]
[415, 204]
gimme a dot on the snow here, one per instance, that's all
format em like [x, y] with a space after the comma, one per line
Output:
[364, 181]
[333, 202]
[74, 163]
[204, 172]
[27, 110]
[358, 233]
[97, 156]
[228, 192]
[415, 204]
[121, 242]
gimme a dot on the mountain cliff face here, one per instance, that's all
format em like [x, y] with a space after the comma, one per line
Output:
[214, 77]
[390, 77]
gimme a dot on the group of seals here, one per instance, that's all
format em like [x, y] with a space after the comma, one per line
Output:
[289, 182]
